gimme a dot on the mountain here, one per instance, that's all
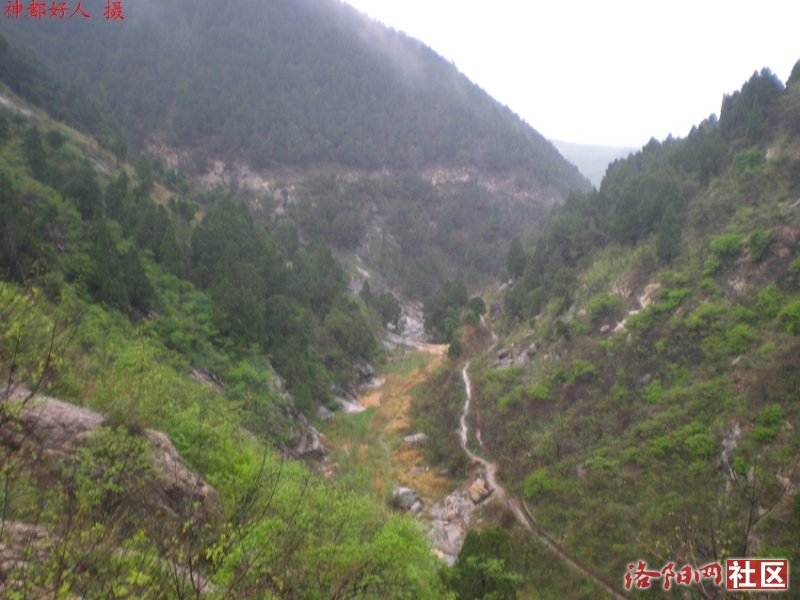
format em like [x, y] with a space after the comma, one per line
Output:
[641, 397]
[288, 82]
[592, 161]
[356, 133]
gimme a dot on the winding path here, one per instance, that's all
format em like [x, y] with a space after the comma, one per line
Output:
[518, 506]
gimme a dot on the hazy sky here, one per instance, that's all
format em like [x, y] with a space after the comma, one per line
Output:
[612, 72]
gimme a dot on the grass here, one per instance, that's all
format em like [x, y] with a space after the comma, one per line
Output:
[371, 441]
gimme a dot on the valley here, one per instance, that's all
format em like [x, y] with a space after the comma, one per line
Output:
[291, 309]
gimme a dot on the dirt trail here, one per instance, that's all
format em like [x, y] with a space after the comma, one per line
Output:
[489, 468]
[517, 506]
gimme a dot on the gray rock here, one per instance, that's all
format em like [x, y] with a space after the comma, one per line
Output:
[404, 497]
[364, 370]
[645, 379]
[323, 414]
[415, 438]
[479, 490]
[605, 328]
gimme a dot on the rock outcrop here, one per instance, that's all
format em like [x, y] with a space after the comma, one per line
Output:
[49, 433]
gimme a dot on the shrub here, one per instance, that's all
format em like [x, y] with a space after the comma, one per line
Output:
[711, 265]
[580, 370]
[769, 301]
[764, 435]
[772, 415]
[748, 161]
[789, 317]
[700, 446]
[538, 483]
[709, 287]
[654, 392]
[759, 242]
[728, 244]
[604, 307]
[738, 338]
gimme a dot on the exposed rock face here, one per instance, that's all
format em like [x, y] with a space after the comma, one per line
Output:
[304, 440]
[364, 371]
[416, 438]
[450, 518]
[50, 431]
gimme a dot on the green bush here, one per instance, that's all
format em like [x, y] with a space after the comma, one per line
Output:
[772, 415]
[759, 242]
[700, 446]
[789, 317]
[728, 244]
[748, 161]
[769, 301]
[709, 287]
[604, 307]
[654, 392]
[764, 435]
[738, 338]
[711, 265]
[538, 483]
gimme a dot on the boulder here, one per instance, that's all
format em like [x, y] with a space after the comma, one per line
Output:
[364, 371]
[323, 414]
[415, 438]
[479, 490]
[306, 442]
[404, 497]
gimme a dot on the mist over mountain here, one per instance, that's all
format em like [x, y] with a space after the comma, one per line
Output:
[592, 161]
[294, 82]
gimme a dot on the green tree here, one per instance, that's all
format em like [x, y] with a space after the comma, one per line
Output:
[516, 259]
[34, 153]
[454, 349]
[669, 235]
[388, 308]
[84, 190]
[477, 305]
[481, 571]
[107, 280]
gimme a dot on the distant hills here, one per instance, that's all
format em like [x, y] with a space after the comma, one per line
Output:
[592, 161]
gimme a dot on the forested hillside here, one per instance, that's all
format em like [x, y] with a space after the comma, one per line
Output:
[357, 134]
[118, 298]
[643, 396]
[292, 82]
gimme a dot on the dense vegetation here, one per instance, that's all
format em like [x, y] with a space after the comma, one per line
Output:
[113, 291]
[290, 82]
[654, 415]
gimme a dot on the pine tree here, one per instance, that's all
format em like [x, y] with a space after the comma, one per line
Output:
[516, 259]
[669, 235]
